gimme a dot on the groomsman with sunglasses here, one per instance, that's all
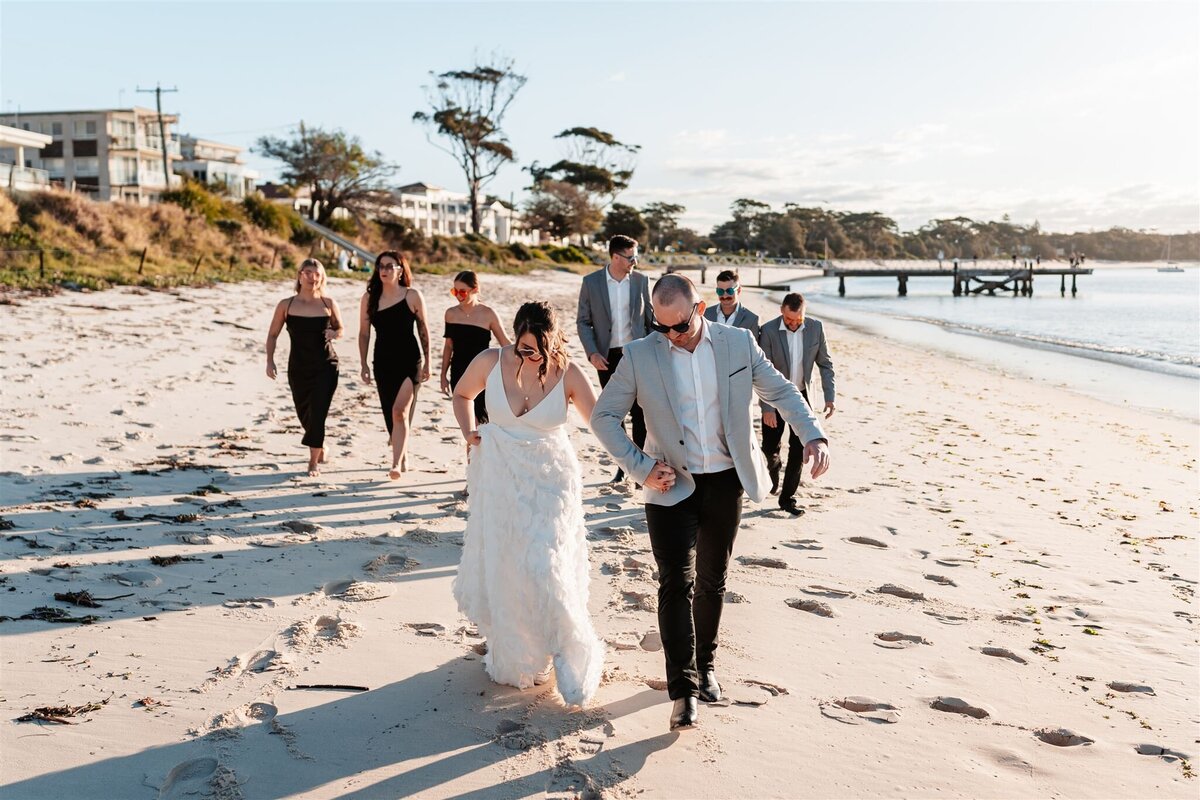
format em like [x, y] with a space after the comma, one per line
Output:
[614, 310]
[794, 343]
[729, 309]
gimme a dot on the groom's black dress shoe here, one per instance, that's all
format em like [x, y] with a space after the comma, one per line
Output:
[619, 477]
[791, 507]
[710, 690]
[684, 713]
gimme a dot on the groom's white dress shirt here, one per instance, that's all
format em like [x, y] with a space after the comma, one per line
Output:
[795, 342]
[700, 406]
[618, 300]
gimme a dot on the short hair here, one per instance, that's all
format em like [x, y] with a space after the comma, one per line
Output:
[728, 275]
[670, 288]
[620, 242]
[794, 302]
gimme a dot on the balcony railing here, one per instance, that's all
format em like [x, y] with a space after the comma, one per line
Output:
[15, 177]
[141, 142]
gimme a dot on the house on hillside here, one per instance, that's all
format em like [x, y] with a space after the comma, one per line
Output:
[110, 154]
[214, 163]
[437, 211]
[19, 148]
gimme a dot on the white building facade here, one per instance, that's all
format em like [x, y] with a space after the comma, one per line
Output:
[19, 149]
[440, 212]
[214, 163]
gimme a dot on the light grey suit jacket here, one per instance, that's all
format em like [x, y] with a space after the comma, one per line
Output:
[593, 322]
[645, 375]
[744, 318]
[774, 342]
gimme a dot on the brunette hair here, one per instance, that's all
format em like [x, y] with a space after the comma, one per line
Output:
[620, 242]
[375, 283]
[794, 302]
[538, 319]
[728, 275]
[467, 278]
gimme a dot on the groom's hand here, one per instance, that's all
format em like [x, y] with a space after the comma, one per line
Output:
[662, 477]
[818, 451]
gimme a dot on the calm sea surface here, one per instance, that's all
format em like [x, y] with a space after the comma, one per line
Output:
[1137, 316]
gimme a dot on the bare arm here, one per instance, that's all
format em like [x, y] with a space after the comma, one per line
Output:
[498, 330]
[417, 305]
[277, 321]
[364, 338]
[579, 390]
[473, 381]
[336, 327]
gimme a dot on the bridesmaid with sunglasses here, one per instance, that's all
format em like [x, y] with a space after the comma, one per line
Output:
[469, 329]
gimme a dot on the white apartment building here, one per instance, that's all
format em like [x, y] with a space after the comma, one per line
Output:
[215, 163]
[18, 151]
[112, 154]
[437, 211]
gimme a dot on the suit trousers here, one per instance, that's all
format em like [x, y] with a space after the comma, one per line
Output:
[692, 541]
[772, 441]
[639, 420]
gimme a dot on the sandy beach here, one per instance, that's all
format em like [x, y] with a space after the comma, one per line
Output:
[991, 595]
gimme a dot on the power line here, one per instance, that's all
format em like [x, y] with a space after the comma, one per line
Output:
[162, 131]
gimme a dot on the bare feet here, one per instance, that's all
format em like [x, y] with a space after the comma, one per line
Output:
[314, 470]
[393, 473]
[322, 458]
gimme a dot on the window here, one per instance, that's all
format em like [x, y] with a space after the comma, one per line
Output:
[54, 166]
[85, 128]
[87, 166]
[56, 129]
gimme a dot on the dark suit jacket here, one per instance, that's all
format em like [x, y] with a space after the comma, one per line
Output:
[773, 340]
[593, 322]
[744, 318]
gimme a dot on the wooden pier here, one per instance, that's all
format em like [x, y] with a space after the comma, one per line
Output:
[991, 280]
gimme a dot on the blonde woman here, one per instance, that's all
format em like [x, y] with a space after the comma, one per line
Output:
[313, 322]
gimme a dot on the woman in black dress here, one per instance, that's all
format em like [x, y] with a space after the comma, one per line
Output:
[313, 322]
[397, 313]
[469, 329]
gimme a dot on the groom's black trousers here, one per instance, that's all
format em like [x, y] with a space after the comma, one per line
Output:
[692, 541]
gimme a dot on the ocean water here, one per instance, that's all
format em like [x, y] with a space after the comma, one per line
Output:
[1138, 317]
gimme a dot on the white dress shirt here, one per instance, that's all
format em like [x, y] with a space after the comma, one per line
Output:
[618, 301]
[795, 342]
[728, 320]
[700, 406]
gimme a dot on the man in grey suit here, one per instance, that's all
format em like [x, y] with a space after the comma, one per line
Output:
[614, 310]
[695, 380]
[729, 309]
[793, 342]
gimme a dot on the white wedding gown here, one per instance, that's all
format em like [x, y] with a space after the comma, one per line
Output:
[523, 579]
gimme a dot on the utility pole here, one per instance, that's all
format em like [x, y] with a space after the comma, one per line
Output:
[162, 130]
[313, 191]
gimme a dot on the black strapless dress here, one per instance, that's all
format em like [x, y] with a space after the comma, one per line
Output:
[469, 341]
[397, 355]
[312, 374]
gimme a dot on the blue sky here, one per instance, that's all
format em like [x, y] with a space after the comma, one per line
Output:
[1077, 114]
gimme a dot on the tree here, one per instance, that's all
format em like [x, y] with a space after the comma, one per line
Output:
[626, 220]
[596, 163]
[562, 210]
[662, 220]
[333, 166]
[468, 108]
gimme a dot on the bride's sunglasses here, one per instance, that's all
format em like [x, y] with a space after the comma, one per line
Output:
[681, 327]
[529, 353]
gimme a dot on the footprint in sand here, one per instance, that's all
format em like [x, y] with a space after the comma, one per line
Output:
[640, 601]
[761, 561]
[1062, 737]
[804, 544]
[427, 628]
[189, 779]
[900, 591]
[946, 619]
[1165, 753]
[894, 640]
[321, 632]
[352, 591]
[734, 597]
[1002, 652]
[856, 709]
[941, 580]
[954, 562]
[1125, 686]
[651, 642]
[811, 606]
[956, 705]
[390, 566]
[137, 577]
[832, 592]
[571, 783]
[867, 541]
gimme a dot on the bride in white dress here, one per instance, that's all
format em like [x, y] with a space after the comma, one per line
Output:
[523, 578]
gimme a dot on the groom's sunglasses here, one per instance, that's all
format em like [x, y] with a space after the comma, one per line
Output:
[681, 327]
[730, 292]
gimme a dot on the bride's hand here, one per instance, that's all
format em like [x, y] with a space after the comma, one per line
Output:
[472, 437]
[662, 477]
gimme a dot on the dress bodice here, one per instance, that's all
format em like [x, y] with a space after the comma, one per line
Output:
[548, 415]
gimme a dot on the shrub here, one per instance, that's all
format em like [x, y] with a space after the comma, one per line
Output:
[567, 255]
[343, 225]
[192, 196]
[267, 215]
[520, 252]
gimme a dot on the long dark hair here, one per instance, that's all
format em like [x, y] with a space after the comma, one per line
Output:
[538, 319]
[375, 284]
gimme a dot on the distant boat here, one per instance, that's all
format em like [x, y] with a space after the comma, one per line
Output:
[1171, 265]
[1170, 269]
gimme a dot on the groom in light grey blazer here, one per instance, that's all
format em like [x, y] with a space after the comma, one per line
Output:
[696, 380]
[614, 310]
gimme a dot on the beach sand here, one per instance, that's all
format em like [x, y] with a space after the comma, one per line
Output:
[991, 593]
